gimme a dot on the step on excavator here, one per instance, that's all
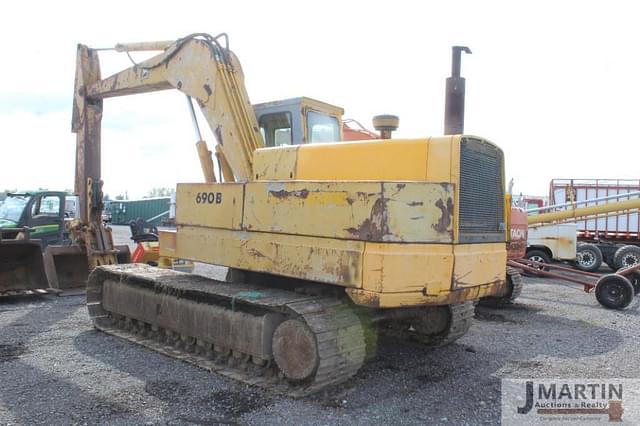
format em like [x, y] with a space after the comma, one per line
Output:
[326, 243]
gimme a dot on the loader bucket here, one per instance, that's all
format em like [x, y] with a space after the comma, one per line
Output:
[68, 267]
[21, 267]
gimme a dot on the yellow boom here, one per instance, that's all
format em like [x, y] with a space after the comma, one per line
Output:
[578, 213]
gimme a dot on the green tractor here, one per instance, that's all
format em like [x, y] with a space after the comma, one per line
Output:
[29, 222]
[37, 215]
[33, 224]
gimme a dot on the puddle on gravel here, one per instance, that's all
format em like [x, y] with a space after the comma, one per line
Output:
[11, 352]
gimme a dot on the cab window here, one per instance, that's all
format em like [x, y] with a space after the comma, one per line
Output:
[49, 205]
[322, 127]
[276, 129]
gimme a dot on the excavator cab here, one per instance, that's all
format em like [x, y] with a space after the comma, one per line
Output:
[299, 121]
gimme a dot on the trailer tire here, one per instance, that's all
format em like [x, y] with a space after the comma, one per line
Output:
[588, 257]
[634, 279]
[614, 291]
[626, 256]
[538, 256]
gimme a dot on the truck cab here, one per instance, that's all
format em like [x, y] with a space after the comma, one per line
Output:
[42, 213]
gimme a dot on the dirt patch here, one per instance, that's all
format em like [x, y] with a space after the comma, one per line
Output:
[208, 421]
[432, 376]
[490, 316]
[166, 390]
[234, 404]
[11, 352]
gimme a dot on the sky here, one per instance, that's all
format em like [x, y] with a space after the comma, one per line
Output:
[553, 83]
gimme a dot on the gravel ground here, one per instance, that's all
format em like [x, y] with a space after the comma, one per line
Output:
[56, 369]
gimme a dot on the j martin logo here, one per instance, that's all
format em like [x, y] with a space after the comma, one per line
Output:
[569, 401]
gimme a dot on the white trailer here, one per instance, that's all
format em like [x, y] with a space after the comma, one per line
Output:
[606, 226]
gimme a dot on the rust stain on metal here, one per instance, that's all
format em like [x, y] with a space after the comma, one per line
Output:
[376, 226]
[371, 300]
[343, 272]
[207, 89]
[283, 195]
[442, 227]
[218, 134]
[256, 253]
[399, 188]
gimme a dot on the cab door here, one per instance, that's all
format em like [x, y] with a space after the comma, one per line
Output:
[46, 218]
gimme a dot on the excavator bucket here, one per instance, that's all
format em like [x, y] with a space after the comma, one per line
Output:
[21, 268]
[67, 266]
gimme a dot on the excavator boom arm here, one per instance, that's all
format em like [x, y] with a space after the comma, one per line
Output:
[197, 65]
[207, 72]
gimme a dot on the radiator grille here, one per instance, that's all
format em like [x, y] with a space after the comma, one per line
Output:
[481, 192]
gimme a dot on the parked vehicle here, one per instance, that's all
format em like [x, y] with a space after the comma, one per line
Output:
[29, 222]
[43, 212]
[570, 231]
[613, 236]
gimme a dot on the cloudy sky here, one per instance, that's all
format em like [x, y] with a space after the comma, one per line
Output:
[554, 83]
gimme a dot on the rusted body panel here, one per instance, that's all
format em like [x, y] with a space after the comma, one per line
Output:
[406, 299]
[310, 258]
[310, 215]
[476, 263]
[367, 211]
[420, 268]
[559, 238]
[394, 274]
[518, 232]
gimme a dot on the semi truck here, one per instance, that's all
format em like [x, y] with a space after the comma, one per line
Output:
[612, 237]
[588, 223]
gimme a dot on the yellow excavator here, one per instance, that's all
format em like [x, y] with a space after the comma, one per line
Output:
[326, 244]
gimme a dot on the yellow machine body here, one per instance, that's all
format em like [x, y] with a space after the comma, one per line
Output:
[381, 218]
[391, 223]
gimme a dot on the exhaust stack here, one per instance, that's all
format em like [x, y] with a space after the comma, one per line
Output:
[454, 101]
